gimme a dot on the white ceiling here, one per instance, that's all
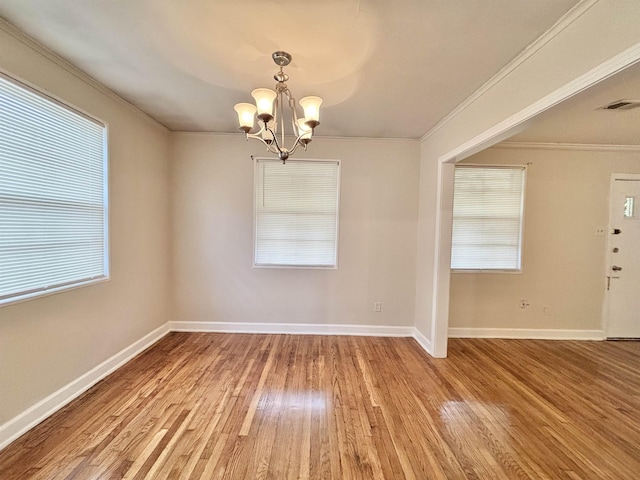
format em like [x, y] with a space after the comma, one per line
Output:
[384, 69]
[582, 120]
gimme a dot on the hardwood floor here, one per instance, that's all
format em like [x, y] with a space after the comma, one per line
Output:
[205, 406]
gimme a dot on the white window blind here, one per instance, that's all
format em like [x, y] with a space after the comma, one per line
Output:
[487, 218]
[52, 195]
[296, 213]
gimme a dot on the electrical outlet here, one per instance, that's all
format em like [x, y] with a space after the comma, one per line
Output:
[377, 307]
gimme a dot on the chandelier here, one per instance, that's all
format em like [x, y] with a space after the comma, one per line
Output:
[270, 110]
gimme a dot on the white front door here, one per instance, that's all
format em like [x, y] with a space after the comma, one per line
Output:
[623, 267]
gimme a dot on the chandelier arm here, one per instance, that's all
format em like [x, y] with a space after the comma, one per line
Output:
[295, 147]
[258, 136]
[255, 135]
[297, 144]
[278, 148]
[269, 147]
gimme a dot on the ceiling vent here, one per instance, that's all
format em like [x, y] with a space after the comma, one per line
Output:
[622, 105]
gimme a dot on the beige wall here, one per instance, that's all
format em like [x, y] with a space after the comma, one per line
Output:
[214, 280]
[563, 260]
[48, 342]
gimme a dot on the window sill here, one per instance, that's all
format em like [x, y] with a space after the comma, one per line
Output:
[298, 267]
[508, 272]
[53, 291]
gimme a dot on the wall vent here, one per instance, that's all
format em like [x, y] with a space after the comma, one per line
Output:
[622, 105]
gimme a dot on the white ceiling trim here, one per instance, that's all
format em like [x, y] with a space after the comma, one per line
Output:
[73, 70]
[503, 129]
[317, 138]
[566, 20]
[567, 146]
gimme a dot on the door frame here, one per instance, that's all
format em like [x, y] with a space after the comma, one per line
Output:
[608, 246]
[444, 189]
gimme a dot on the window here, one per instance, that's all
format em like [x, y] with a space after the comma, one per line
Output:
[629, 207]
[52, 195]
[487, 218]
[296, 213]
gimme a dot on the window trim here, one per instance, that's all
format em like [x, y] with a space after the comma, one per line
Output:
[255, 217]
[106, 277]
[523, 209]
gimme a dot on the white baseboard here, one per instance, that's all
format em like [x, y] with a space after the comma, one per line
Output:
[423, 341]
[527, 333]
[303, 329]
[293, 328]
[23, 422]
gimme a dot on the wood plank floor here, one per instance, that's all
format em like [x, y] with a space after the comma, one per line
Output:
[208, 406]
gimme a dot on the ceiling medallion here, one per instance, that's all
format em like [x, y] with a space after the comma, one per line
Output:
[270, 111]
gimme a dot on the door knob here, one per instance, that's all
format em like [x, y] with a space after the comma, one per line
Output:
[616, 268]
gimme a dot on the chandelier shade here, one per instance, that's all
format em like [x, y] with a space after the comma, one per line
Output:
[264, 103]
[246, 115]
[311, 106]
[270, 109]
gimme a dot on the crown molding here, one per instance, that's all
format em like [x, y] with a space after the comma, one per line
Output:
[501, 131]
[207, 134]
[75, 71]
[568, 146]
[381, 139]
[318, 137]
[567, 19]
